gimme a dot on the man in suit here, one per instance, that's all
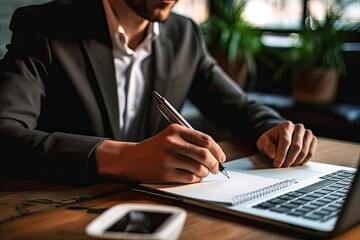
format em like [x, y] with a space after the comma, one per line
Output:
[76, 106]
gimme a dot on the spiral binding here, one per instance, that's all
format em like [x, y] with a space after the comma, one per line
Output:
[239, 199]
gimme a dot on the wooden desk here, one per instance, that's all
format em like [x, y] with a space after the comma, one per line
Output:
[33, 210]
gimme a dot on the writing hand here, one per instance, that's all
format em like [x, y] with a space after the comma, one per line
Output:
[288, 144]
[177, 154]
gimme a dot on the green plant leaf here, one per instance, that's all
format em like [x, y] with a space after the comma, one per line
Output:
[230, 33]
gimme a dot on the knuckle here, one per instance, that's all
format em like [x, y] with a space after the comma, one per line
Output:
[197, 169]
[301, 156]
[287, 124]
[297, 147]
[299, 126]
[203, 153]
[215, 166]
[192, 178]
[168, 140]
[288, 163]
[173, 128]
[309, 155]
[287, 140]
[308, 132]
[207, 140]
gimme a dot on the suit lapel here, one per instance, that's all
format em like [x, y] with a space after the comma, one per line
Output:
[101, 59]
[98, 47]
[163, 56]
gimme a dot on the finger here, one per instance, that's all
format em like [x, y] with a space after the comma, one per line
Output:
[181, 176]
[177, 146]
[186, 177]
[202, 148]
[308, 138]
[266, 146]
[296, 145]
[285, 137]
[205, 141]
[312, 150]
[179, 140]
[191, 166]
[201, 156]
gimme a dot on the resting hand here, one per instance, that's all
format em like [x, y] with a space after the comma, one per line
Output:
[288, 144]
[177, 154]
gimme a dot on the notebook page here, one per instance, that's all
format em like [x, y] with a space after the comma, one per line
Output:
[218, 188]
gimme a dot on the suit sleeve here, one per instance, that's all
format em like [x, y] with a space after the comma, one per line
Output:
[225, 103]
[27, 151]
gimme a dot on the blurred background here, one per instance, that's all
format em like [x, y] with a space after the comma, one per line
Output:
[293, 34]
[264, 45]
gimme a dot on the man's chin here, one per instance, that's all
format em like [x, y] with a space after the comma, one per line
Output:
[159, 16]
[157, 11]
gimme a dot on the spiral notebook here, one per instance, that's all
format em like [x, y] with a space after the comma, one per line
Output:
[240, 188]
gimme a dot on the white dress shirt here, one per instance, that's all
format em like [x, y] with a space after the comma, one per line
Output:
[134, 71]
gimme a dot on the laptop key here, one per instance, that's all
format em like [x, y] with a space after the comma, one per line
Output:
[265, 205]
[294, 194]
[299, 201]
[324, 200]
[322, 191]
[337, 185]
[338, 177]
[317, 203]
[339, 194]
[280, 209]
[277, 201]
[290, 205]
[330, 209]
[336, 205]
[286, 197]
[343, 191]
[335, 214]
[305, 209]
[311, 206]
[314, 216]
[335, 196]
[315, 195]
[330, 188]
[324, 213]
[343, 184]
[314, 186]
[296, 213]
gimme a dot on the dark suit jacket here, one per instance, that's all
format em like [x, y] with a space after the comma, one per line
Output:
[58, 96]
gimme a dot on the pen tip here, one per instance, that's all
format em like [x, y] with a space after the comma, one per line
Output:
[226, 173]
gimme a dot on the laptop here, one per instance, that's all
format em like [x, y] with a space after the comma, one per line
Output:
[317, 199]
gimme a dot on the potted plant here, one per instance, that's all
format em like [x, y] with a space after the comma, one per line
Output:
[232, 41]
[316, 60]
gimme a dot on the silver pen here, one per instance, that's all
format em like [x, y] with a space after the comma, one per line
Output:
[173, 116]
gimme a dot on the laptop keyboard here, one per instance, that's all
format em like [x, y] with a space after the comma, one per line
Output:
[320, 201]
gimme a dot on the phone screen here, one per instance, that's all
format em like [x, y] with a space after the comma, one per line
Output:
[139, 222]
